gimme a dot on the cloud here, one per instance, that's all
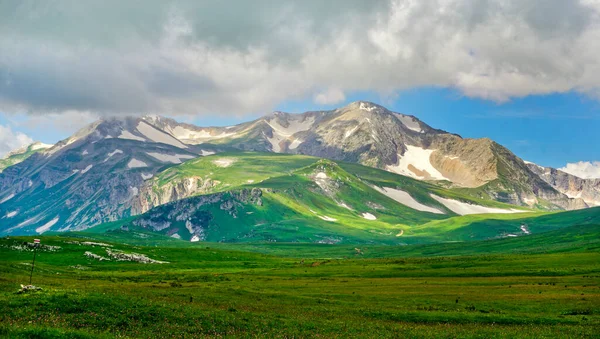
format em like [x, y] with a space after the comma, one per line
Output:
[10, 140]
[330, 97]
[66, 122]
[205, 57]
[583, 169]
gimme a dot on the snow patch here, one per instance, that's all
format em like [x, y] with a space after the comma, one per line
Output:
[183, 133]
[27, 222]
[147, 176]
[574, 196]
[176, 236]
[195, 238]
[350, 132]
[174, 159]
[40, 145]
[85, 152]
[416, 158]
[7, 198]
[158, 136]
[135, 163]
[524, 229]
[406, 199]
[463, 208]
[534, 164]
[321, 175]
[344, 205]
[224, 162]
[295, 125]
[295, 143]
[366, 107]
[275, 142]
[326, 218]
[11, 214]
[46, 226]
[205, 153]
[369, 216]
[89, 167]
[410, 123]
[281, 133]
[189, 227]
[128, 135]
[117, 151]
[134, 190]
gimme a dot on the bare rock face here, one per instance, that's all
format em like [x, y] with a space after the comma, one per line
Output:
[89, 178]
[152, 194]
[586, 190]
[194, 213]
[466, 162]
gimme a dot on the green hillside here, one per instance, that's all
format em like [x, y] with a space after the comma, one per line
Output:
[249, 197]
[20, 155]
[552, 233]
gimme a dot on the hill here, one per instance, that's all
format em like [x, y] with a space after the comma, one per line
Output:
[233, 197]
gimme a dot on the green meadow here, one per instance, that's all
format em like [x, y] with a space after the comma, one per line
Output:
[545, 285]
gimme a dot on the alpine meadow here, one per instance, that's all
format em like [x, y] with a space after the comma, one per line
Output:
[339, 169]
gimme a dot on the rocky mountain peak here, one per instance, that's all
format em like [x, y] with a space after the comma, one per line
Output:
[366, 106]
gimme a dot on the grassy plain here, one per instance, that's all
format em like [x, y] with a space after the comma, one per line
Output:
[419, 291]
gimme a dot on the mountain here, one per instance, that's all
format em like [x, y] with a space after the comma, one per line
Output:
[371, 135]
[88, 178]
[106, 171]
[21, 154]
[587, 190]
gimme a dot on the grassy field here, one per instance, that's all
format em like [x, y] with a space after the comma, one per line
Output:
[319, 291]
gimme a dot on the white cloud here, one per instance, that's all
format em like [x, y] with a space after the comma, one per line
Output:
[66, 122]
[205, 57]
[330, 97]
[11, 140]
[583, 169]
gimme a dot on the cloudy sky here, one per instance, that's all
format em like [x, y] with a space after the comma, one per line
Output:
[523, 72]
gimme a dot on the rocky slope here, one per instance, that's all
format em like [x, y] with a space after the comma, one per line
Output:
[89, 178]
[587, 190]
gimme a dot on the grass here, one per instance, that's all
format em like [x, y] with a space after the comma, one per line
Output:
[225, 290]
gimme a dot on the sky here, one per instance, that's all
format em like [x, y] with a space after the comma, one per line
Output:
[521, 72]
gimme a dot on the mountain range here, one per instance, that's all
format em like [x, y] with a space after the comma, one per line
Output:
[357, 172]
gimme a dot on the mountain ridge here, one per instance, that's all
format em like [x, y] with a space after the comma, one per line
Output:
[68, 184]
